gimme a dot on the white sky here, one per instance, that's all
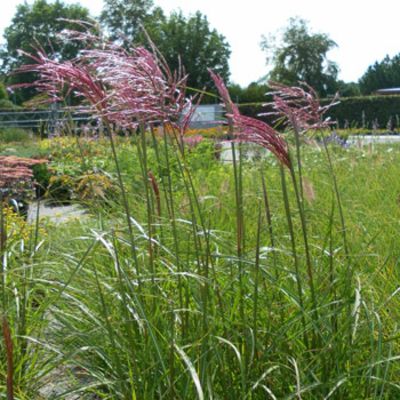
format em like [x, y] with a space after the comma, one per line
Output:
[365, 31]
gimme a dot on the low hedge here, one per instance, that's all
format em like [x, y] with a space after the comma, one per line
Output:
[361, 112]
[368, 112]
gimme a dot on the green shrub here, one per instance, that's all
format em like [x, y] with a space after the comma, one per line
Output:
[3, 92]
[10, 135]
[41, 175]
[95, 186]
[60, 189]
[7, 105]
[366, 111]
[358, 112]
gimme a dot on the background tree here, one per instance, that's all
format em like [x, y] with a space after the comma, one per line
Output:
[255, 92]
[123, 19]
[5, 102]
[301, 55]
[191, 42]
[381, 75]
[348, 89]
[39, 23]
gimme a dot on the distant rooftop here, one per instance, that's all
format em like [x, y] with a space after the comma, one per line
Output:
[395, 90]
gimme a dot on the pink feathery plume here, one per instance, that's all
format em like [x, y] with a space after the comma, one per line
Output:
[84, 37]
[255, 131]
[55, 77]
[300, 106]
[251, 130]
[224, 93]
[141, 87]
[123, 87]
[187, 113]
[133, 95]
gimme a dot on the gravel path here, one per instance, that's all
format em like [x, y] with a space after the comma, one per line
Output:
[56, 214]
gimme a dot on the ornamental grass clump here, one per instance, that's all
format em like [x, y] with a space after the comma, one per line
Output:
[126, 89]
[135, 89]
[299, 109]
[191, 280]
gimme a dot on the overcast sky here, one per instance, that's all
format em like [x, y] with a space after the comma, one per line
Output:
[365, 31]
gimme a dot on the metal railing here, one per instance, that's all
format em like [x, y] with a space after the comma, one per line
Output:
[77, 117]
[35, 119]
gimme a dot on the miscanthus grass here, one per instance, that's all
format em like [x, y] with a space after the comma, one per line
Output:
[272, 278]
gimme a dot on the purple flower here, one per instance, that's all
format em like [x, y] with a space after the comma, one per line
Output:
[334, 138]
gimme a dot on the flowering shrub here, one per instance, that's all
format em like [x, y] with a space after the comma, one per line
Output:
[192, 141]
[95, 186]
[63, 188]
[16, 226]
[16, 169]
[16, 175]
[216, 132]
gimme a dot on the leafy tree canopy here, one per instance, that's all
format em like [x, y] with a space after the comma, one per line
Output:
[123, 19]
[192, 43]
[381, 75]
[38, 24]
[254, 93]
[187, 41]
[301, 55]
[3, 92]
[348, 89]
